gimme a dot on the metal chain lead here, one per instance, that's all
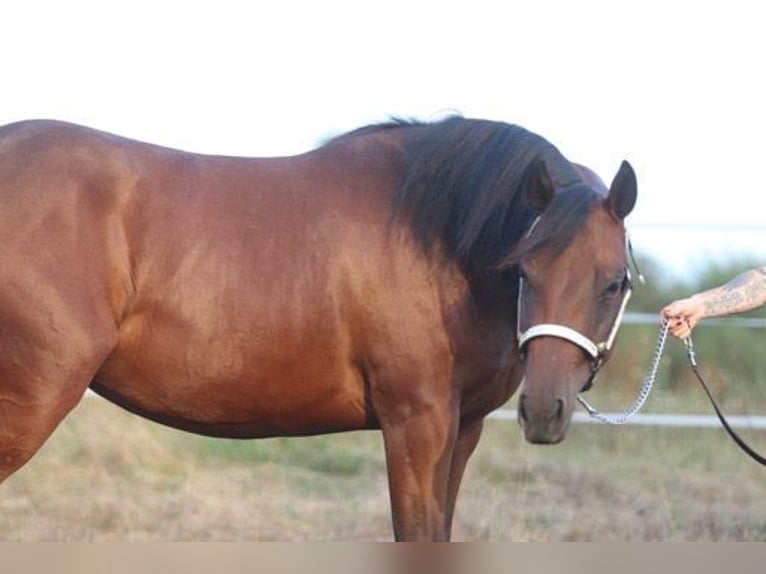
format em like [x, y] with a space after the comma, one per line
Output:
[643, 393]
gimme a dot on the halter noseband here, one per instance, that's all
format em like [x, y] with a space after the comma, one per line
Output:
[596, 351]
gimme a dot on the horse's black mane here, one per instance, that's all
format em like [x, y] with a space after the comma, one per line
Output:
[464, 188]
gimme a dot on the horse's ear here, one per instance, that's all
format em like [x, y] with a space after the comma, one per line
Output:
[623, 191]
[540, 188]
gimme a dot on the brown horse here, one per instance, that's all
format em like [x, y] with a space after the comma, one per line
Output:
[369, 284]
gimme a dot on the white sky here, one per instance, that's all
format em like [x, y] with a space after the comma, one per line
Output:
[675, 87]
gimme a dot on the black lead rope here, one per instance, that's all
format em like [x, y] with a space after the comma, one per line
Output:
[735, 437]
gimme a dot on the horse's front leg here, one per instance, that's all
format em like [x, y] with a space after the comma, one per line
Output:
[467, 439]
[419, 445]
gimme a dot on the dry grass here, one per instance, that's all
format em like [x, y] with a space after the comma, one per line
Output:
[107, 475]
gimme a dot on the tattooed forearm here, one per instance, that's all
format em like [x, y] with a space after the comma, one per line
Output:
[743, 293]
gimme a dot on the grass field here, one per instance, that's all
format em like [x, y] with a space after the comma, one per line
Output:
[107, 475]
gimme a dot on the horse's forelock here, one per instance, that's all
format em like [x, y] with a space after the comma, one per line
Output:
[557, 226]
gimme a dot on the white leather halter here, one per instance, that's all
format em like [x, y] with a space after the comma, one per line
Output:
[596, 351]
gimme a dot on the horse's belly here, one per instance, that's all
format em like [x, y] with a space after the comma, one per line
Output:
[275, 399]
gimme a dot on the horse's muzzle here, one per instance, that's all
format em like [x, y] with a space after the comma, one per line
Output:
[545, 423]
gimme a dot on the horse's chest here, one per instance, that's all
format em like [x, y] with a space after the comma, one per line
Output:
[487, 387]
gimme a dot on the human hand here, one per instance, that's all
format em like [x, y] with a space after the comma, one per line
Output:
[683, 315]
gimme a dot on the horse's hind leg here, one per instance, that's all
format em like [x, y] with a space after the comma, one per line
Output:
[43, 375]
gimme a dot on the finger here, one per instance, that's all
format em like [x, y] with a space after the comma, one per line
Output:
[669, 319]
[679, 322]
[680, 331]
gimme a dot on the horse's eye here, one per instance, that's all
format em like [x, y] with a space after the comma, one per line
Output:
[614, 288]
